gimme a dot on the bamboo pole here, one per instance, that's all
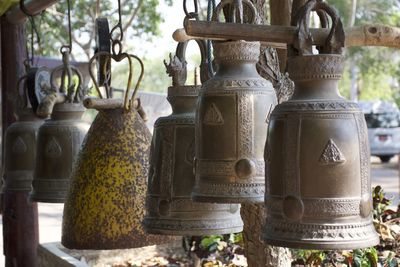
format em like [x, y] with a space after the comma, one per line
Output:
[15, 15]
[277, 36]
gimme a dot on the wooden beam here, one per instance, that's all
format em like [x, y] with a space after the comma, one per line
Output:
[366, 35]
[20, 216]
[15, 15]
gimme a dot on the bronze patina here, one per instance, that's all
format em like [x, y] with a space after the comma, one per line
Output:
[318, 191]
[170, 209]
[231, 126]
[60, 137]
[21, 136]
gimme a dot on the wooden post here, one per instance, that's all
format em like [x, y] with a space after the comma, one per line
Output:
[280, 13]
[20, 216]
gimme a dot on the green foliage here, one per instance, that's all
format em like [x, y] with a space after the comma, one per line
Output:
[379, 202]
[139, 18]
[367, 257]
[378, 68]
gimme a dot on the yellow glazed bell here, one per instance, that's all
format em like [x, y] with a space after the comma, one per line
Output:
[106, 201]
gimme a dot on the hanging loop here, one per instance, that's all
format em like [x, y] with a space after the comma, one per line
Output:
[118, 57]
[191, 15]
[334, 44]
[118, 26]
[68, 47]
[34, 31]
[67, 85]
[236, 9]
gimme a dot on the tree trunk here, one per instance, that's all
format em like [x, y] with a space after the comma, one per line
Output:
[253, 214]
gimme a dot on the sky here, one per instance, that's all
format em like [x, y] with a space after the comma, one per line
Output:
[164, 44]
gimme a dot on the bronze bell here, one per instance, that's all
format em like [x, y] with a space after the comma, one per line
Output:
[231, 126]
[318, 191]
[21, 137]
[169, 207]
[60, 137]
[106, 201]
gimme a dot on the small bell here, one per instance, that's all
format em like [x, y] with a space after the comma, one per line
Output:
[169, 207]
[106, 201]
[231, 126]
[21, 137]
[318, 190]
[60, 137]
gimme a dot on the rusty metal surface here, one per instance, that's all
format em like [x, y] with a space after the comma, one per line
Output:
[106, 201]
[231, 127]
[318, 190]
[170, 209]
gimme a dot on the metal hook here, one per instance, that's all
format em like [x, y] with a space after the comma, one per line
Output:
[118, 26]
[191, 15]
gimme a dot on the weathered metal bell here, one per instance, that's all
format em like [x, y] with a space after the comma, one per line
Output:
[20, 152]
[231, 126]
[20, 139]
[318, 191]
[169, 207]
[59, 141]
[106, 201]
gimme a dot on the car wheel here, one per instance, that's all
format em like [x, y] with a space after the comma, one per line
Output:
[385, 159]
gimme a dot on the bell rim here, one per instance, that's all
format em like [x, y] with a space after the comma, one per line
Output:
[333, 244]
[199, 197]
[172, 226]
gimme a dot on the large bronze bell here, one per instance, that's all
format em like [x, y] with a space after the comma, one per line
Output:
[169, 207]
[59, 138]
[106, 201]
[231, 126]
[21, 137]
[318, 191]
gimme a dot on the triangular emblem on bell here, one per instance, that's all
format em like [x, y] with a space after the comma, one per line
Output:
[318, 190]
[331, 154]
[170, 209]
[105, 205]
[60, 137]
[213, 116]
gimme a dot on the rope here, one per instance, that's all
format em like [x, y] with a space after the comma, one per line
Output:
[210, 10]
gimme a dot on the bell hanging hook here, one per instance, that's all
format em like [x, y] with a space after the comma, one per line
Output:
[68, 48]
[30, 59]
[118, 27]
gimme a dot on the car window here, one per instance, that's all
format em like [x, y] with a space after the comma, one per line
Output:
[382, 120]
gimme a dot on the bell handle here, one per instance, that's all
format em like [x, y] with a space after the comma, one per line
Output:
[139, 80]
[334, 44]
[107, 57]
[237, 6]
[181, 54]
[128, 102]
[67, 71]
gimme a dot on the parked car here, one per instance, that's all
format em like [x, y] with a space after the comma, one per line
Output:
[383, 121]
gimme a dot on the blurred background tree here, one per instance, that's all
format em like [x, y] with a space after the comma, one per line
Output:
[371, 72]
[139, 18]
